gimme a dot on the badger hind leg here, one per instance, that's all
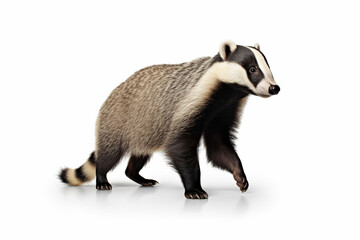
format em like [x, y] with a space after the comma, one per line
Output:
[136, 163]
[107, 159]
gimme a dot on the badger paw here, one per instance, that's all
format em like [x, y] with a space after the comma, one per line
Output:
[241, 181]
[149, 182]
[103, 186]
[196, 194]
[140, 180]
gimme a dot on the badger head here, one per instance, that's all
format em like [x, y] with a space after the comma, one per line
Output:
[247, 67]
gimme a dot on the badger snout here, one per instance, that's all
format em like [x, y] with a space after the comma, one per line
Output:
[267, 88]
[274, 89]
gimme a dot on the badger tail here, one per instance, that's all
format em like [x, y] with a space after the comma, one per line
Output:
[80, 175]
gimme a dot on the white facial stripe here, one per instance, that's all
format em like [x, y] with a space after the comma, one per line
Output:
[230, 72]
[263, 66]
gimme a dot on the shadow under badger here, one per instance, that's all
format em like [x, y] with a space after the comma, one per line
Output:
[169, 108]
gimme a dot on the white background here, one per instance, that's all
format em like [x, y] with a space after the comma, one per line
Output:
[59, 60]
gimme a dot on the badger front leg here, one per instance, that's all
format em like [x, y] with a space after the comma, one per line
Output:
[221, 153]
[183, 153]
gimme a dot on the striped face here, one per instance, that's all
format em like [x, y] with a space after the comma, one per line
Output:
[248, 67]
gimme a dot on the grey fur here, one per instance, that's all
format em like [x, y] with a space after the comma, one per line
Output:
[139, 114]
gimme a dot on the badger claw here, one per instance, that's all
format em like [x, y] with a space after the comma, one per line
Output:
[241, 181]
[196, 194]
[103, 186]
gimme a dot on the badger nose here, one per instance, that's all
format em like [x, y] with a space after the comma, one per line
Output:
[274, 89]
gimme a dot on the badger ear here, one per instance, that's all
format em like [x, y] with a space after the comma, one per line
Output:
[257, 46]
[226, 48]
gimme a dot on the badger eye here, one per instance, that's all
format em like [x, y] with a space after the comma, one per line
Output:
[252, 69]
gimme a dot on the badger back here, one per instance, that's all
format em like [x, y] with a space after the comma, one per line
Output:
[141, 110]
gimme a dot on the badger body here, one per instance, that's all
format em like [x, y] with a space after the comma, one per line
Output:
[138, 114]
[169, 108]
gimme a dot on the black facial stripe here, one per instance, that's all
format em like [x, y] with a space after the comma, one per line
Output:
[246, 58]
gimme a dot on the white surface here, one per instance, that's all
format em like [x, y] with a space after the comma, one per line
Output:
[60, 60]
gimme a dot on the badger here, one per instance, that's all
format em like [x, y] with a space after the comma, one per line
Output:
[170, 108]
